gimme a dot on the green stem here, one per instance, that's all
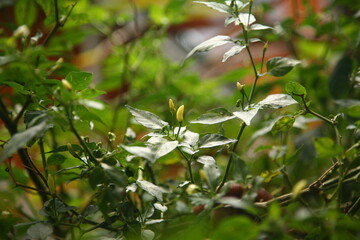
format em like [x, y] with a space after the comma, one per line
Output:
[188, 161]
[82, 143]
[43, 157]
[227, 171]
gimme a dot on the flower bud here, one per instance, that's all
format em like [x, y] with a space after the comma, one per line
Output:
[171, 105]
[111, 136]
[66, 84]
[22, 31]
[180, 113]
[266, 45]
[240, 86]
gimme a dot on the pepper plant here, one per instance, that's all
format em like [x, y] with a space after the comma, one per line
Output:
[122, 188]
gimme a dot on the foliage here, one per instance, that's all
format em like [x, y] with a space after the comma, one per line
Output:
[256, 165]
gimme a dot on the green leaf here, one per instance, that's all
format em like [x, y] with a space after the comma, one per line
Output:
[327, 148]
[284, 124]
[143, 152]
[247, 116]
[239, 168]
[279, 66]
[217, 115]
[212, 173]
[277, 101]
[216, 6]
[21, 139]
[232, 52]
[90, 93]
[56, 159]
[96, 176]
[230, 228]
[246, 19]
[40, 231]
[152, 189]
[214, 140]
[296, 90]
[25, 12]
[340, 79]
[210, 44]
[79, 80]
[147, 119]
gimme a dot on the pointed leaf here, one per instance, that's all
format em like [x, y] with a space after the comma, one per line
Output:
[284, 124]
[246, 19]
[152, 189]
[277, 101]
[214, 140]
[247, 116]
[232, 52]
[212, 173]
[19, 140]
[147, 119]
[296, 90]
[143, 152]
[257, 26]
[40, 230]
[216, 6]
[79, 80]
[165, 148]
[206, 160]
[210, 44]
[217, 115]
[279, 66]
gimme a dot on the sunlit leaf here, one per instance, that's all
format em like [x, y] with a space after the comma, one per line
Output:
[277, 101]
[257, 26]
[206, 160]
[247, 116]
[147, 119]
[214, 140]
[210, 44]
[216, 6]
[246, 19]
[279, 66]
[152, 189]
[217, 115]
[232, 52]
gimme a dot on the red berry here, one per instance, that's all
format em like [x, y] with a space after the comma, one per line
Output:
[198, 209]
[235, 190]
[263, 195]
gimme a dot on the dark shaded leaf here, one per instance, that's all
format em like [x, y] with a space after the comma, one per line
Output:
[279, 66]
[21, 139]
[56, 159]
[339, 82]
